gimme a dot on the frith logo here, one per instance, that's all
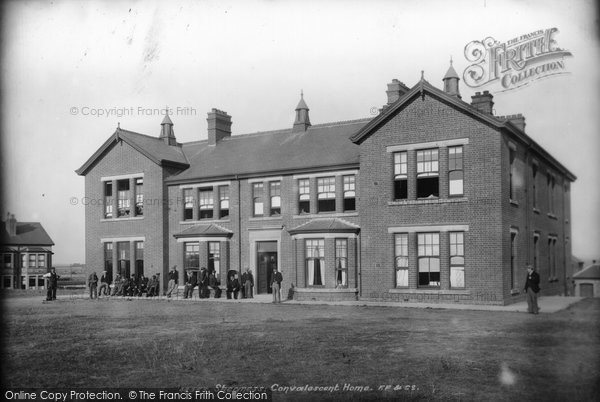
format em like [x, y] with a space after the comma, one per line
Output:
[515, 63]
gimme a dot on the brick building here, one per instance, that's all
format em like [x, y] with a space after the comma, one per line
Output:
[26, 254]
[434, 199]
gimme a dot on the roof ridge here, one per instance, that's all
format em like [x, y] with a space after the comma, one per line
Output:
[341, 122]
[348, 223]
[285, 130]
[143, 135]
[222, 228]
[281, 130]
[257, 133]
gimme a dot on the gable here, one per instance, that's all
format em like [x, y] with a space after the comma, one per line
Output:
[423, 91]
[152, 148]
[435, 106]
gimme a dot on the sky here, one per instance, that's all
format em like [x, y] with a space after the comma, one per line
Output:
[72, 71]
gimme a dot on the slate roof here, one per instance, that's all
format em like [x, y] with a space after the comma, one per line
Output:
[153, 148]
[321, 146]
[167, 120]
[451, 73]
[327, 225]
[28, 234]
[210, 230]
[591, 272]
[302, 104]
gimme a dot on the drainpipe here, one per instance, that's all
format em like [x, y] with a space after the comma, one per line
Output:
[528, 203]
[240, 226]
[359, 251]
[564, 243]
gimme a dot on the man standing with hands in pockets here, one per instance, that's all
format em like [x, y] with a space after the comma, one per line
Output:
[276, 285]
[532, 287]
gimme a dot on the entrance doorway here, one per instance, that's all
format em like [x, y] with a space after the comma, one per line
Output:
[266, 261]
[586, 290]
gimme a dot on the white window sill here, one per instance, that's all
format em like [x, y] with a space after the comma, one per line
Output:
[430, 291]
[135, 218]
[513, 202]
[190, 222]
[320, 289]
[326, 214]
[265, 218]
[429, 201]
[552, 216]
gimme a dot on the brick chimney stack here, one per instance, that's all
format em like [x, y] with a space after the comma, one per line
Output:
[483, 102]
[395, 91]
[11, 224]
[518, 120]
[219, 126]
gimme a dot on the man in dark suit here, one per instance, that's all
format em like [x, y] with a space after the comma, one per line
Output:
[213, 282]
[173, 280]
[532, 287]
[142, 285]
[104, 284]
[203, 290]
[243, 284]
[190, 284]
[52, 284]
[93, 285]
[153, 286]
[248, 283]
[276, 279]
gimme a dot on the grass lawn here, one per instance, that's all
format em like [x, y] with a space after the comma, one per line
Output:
[442, 354]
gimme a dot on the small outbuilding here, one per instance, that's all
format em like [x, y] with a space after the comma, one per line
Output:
[587, 281]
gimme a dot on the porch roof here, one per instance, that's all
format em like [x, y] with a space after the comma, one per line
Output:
[204, 230]
[326, 225]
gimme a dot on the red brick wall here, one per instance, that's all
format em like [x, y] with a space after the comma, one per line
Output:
[292, 270]
[522, 215]
[122, 159]
[419, 122]
[485, 208]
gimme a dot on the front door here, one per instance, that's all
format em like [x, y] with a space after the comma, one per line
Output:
[587, 290]
[266, 261]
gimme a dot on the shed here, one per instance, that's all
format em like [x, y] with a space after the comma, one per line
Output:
[587, 282]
